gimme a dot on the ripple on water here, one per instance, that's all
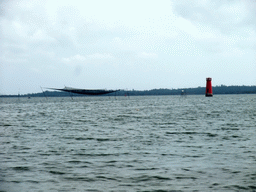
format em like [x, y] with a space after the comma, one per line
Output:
[162, 143]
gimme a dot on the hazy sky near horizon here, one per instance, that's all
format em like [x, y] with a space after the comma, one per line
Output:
[126, 44]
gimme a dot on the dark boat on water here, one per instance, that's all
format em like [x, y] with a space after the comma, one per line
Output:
[85, 91]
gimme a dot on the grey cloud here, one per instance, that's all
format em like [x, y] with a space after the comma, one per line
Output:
[232, 23]
[63, 41]
[225, 15]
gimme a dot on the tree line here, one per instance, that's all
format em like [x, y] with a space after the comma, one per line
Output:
[223, 89]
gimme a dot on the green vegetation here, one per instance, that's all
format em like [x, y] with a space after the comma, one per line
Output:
[188, 91]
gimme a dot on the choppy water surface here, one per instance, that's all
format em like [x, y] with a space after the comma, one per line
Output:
[162, 143]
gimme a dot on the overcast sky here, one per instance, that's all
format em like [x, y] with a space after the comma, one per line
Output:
[126, 44]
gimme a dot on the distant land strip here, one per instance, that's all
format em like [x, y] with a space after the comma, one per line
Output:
[223, 89]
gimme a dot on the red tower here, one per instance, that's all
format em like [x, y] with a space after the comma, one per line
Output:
[208, 92]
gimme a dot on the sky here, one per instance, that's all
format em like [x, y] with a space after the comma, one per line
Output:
[126, 44]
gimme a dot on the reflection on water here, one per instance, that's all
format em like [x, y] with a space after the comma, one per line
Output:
[164, 143]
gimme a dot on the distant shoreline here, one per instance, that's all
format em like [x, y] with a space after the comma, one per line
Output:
[162, 91]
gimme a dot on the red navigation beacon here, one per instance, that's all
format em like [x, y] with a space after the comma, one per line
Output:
[208, 92]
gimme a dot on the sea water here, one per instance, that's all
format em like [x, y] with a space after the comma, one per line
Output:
[144, 143]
